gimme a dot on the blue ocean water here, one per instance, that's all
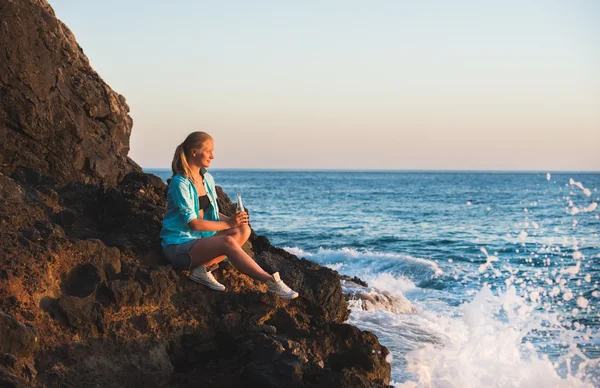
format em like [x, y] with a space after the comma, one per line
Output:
[476, 278]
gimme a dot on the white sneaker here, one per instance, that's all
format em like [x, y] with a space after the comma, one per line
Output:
[201, 275]
[279, 288]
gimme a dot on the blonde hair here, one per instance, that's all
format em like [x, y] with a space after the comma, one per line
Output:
[180, 164]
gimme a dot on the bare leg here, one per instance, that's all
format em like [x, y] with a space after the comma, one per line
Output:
[239, 233]
[208, 250]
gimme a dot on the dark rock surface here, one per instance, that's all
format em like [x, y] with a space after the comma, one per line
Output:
[17, 339]
[86, 298]
[56, 114]
[107, 310]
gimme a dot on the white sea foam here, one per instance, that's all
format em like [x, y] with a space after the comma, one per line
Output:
[335, 267]
[388, 282]
[485, 351]
[298, 252]
[488, 263]
[366, 261]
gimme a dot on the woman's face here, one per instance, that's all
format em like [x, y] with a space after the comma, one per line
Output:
[203, 156]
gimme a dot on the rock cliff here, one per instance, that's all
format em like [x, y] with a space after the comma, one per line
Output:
[85, 296]
[56, 114]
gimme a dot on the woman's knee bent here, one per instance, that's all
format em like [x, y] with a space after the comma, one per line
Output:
[229, 242]
[245, 231]
[245, 228]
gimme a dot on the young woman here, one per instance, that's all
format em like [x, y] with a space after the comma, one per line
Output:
[195, 236]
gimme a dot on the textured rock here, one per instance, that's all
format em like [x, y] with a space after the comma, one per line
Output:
[82, 315]
[99, 307]
[126, 293]
[320, 286]
[9, 190]
[56, 114]
[16, 338]
[9, 380]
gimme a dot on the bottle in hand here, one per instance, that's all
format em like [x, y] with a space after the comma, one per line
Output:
[239, 207]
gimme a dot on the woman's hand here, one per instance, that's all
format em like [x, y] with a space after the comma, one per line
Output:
[240, 218]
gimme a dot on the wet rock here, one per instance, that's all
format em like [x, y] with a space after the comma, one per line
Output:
[354, 279]
[371, 298]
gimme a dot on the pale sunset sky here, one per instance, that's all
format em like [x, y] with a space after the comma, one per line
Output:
[417, 85]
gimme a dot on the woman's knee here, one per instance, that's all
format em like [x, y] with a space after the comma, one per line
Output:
[245, 230]
[229, 242]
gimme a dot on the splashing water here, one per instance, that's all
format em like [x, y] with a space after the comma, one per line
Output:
[500, 337]
[490, 351]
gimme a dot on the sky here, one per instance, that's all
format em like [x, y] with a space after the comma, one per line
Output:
[399, 85]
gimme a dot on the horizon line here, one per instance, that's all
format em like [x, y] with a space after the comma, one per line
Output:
[386, 170]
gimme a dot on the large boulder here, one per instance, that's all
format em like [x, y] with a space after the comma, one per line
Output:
[56, 114]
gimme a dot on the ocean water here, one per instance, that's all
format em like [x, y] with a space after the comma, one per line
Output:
[475, 279]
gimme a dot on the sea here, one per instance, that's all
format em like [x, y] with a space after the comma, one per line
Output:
[475, 279]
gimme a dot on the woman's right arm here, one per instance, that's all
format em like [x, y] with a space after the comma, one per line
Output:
[207, 225]
[202, 225]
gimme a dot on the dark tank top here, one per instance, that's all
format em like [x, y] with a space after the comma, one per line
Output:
[204, 202]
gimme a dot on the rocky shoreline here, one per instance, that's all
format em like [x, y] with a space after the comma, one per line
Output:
[85, 296]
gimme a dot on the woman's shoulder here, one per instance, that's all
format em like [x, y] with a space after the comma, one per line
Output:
[180, 180]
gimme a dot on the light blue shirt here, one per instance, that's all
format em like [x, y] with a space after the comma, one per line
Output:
[183, 206]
